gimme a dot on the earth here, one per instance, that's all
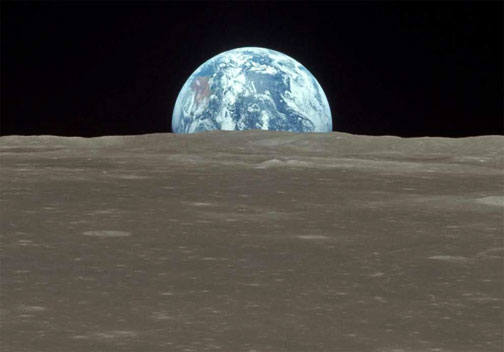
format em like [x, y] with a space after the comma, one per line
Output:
[251, 88]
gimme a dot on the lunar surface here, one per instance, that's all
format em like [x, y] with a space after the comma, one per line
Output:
[251, 241]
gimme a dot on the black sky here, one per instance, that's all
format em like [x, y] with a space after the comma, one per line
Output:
[406, 69]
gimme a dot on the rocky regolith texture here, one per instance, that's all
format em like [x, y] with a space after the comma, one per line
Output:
[251, 241]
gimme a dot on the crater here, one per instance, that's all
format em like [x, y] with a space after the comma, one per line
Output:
[107, 233]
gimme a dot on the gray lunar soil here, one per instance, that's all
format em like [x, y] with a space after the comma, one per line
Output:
[252, 241]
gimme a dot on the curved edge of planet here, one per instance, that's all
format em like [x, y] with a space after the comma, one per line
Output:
[251, 88]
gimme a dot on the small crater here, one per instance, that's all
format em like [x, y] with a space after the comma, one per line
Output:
[491, 253]
[312, 237]
[107, 233]
[377, 274]
[27, 243]
[497, 201]
[199, 204]
[162, 316]
[108, 335]
[130, 177]
[32, 309]
[103, 211]
[449, 258]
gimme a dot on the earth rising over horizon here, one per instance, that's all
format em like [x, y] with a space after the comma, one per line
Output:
[251, 88]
